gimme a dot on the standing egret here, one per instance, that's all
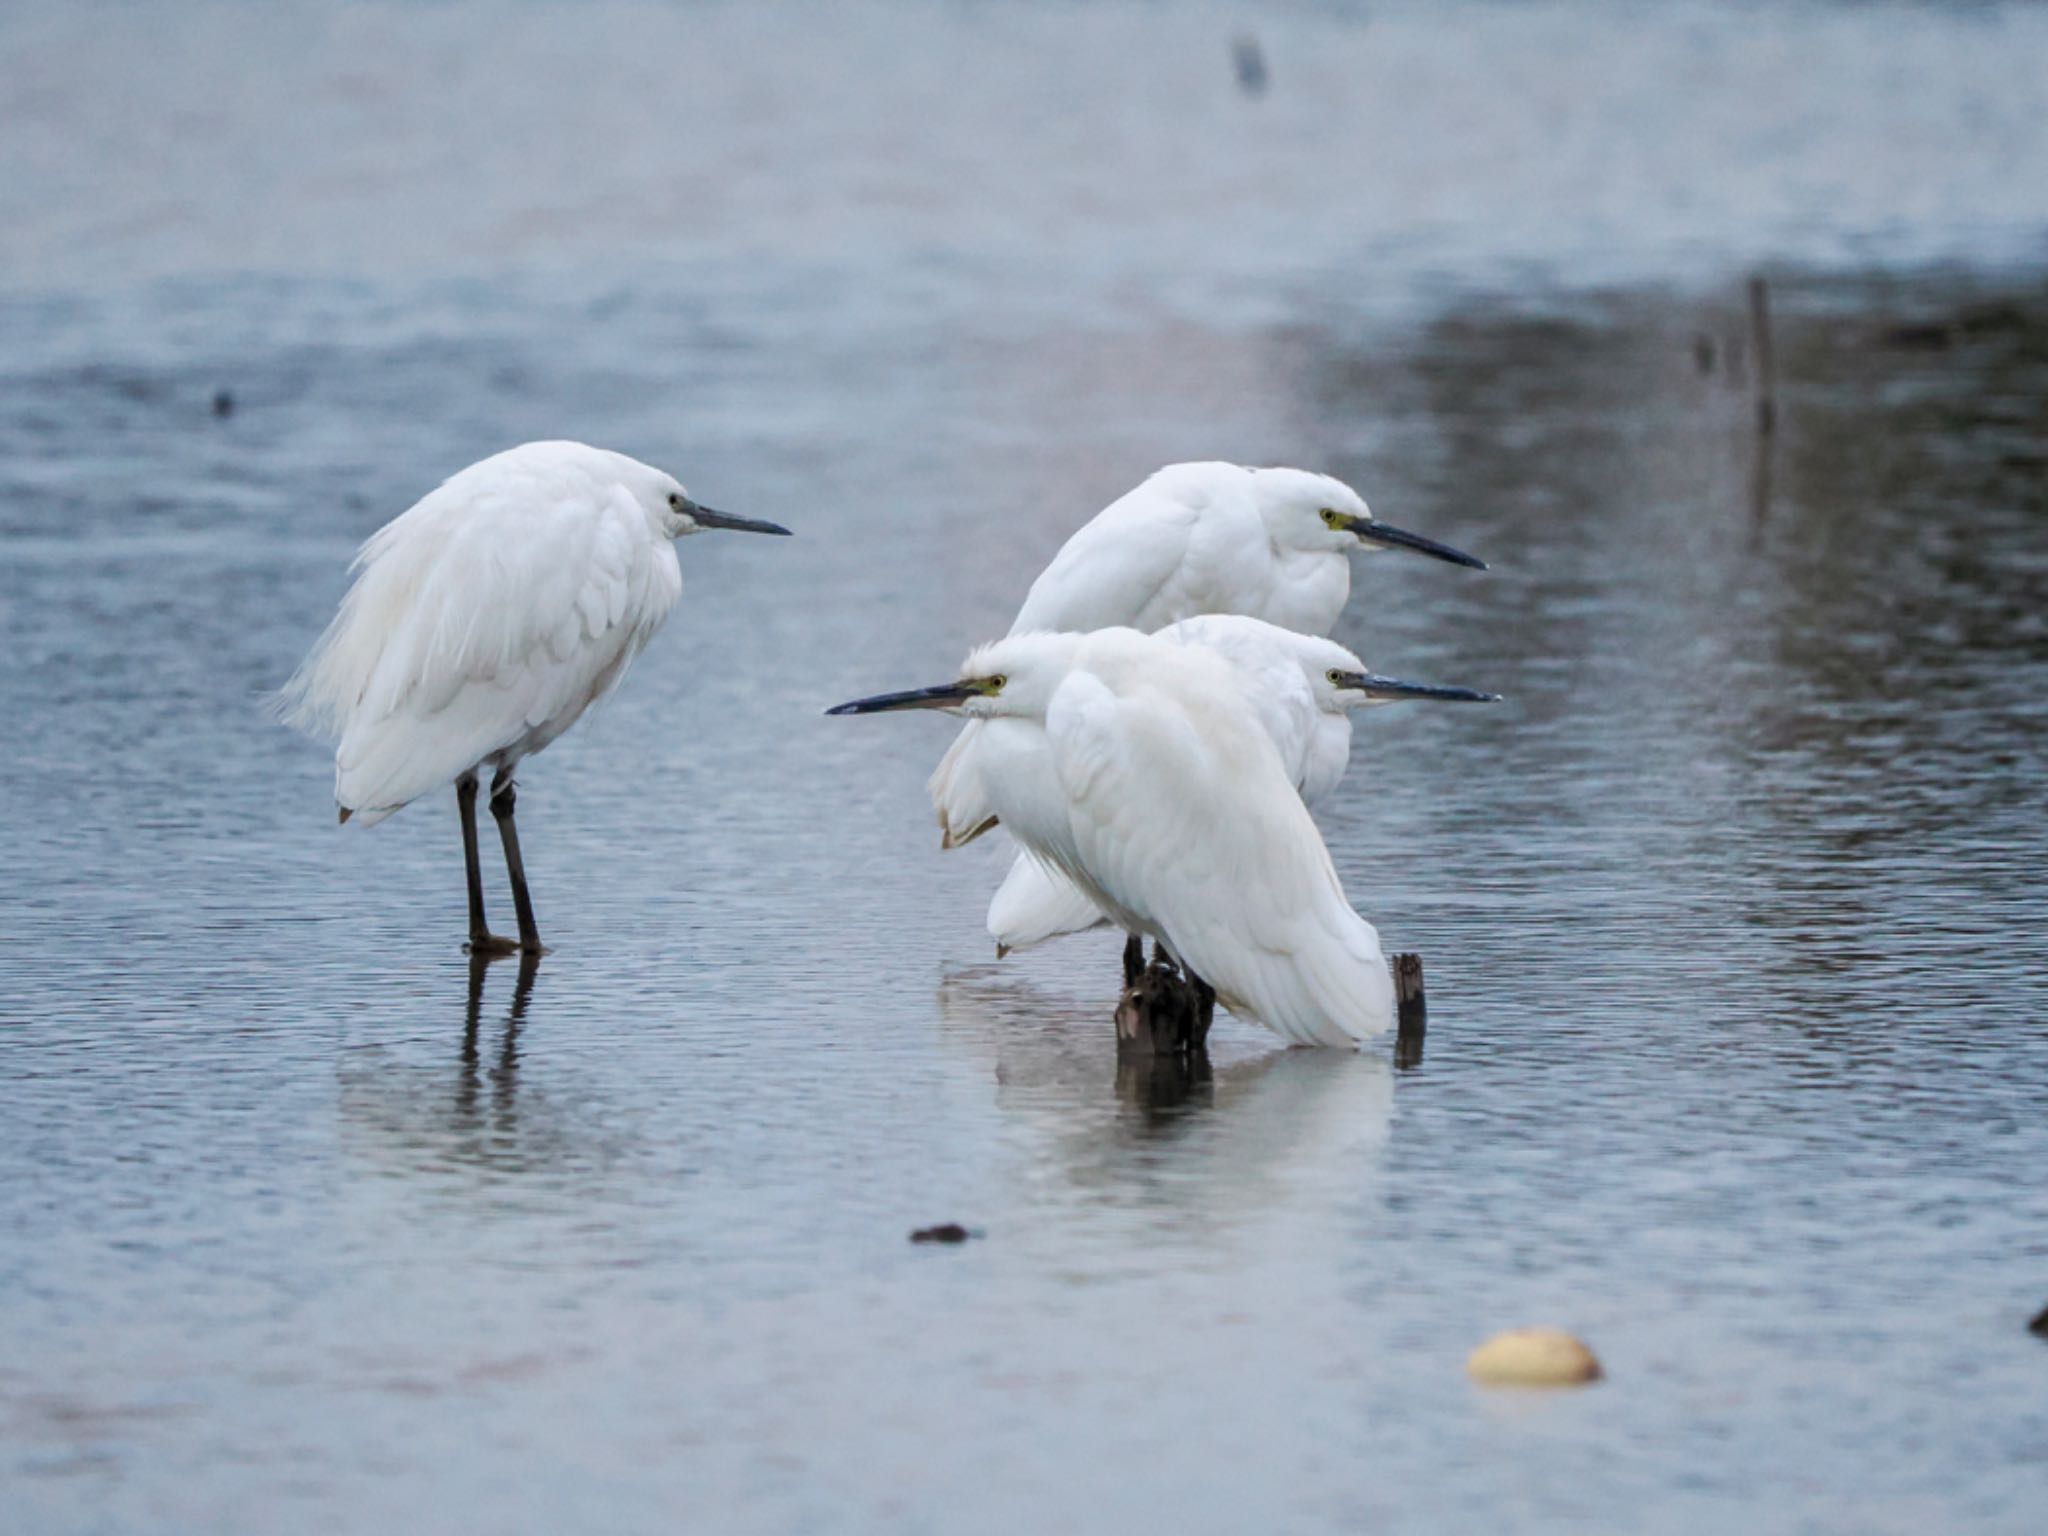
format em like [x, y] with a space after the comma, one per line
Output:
[1149, 781]
[482, 622]
[1194, 539]
[1302, 688]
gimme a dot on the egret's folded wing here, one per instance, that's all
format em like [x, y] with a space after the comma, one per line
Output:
[1115, 569]
[1187, 819]
[1132, 826]
[482, 618]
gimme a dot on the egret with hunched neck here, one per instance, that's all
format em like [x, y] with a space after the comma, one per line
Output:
[482, 623]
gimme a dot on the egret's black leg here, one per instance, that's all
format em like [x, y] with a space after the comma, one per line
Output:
[481, 940]
[502, 801]
[1205, 1012]
[1134, 960]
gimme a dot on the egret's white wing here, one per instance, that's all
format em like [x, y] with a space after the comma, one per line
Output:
[1185, 826]
[1135, 561]
[482, 622]
[1036, 902]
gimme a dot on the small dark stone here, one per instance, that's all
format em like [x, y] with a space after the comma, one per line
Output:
[223, 403]
[2040, 1323]
[945, 1232]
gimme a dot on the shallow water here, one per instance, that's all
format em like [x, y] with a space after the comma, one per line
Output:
[1733, 914]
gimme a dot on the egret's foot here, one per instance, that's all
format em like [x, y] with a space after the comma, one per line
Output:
[490, 945]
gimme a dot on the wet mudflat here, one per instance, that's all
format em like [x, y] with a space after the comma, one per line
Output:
[1733, 913]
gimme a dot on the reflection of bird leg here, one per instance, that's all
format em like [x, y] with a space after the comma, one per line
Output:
[472, 1008]
[522, 989]
[505, 1076]
[503, 799]
[482, 942]
[473, 1005]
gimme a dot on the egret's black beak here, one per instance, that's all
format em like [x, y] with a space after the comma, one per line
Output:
[706, 517]
[944, 696]
[1372, 531]
[1388, 689]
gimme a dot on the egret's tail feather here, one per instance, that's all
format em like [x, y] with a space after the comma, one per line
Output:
[1330, 994]
[958, 793]
[1035, 903]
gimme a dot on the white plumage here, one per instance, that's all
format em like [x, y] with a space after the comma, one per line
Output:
[1301, 689]
[1278, 671]
[1144, 775]
[484, 620]
[1193, 540]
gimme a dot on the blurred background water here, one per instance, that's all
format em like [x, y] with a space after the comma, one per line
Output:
[1734, 914]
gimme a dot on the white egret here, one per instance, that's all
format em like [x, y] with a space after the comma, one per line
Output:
[1302, 688]
[1273, 544]
[482, 622]
[1145, 776]
[1193, 539]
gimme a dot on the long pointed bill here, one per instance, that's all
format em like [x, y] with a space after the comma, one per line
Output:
[1378, 534]
[706, 517]
[944, 696]
[1385, 690]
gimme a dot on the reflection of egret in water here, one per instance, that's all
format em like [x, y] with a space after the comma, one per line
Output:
[505, 1070]
[1251, 1128]
[411, 1114]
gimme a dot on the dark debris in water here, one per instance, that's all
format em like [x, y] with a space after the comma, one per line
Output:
[945, 1232]
[2039, 1326]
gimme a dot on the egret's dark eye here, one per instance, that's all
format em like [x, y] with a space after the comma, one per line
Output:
[1335, 677]
[675, 501]
[1332, 518]
[995, 684]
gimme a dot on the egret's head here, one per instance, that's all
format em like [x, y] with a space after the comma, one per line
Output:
[680, 515]
[1311, 512]
[1014, 676]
